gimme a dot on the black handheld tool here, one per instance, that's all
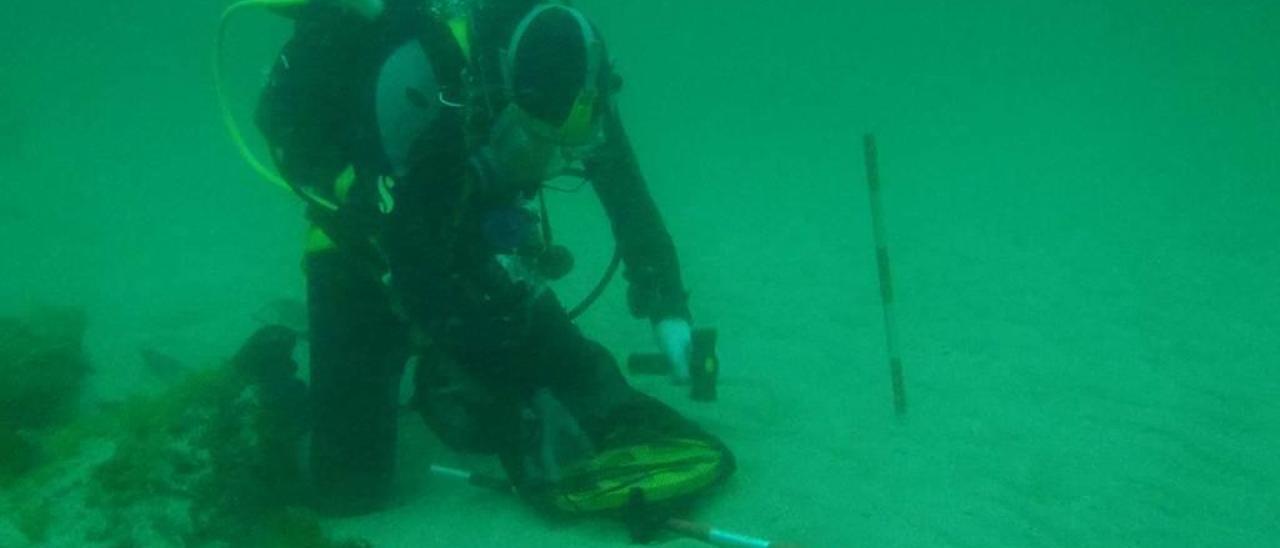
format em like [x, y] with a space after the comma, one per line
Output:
[704, 365]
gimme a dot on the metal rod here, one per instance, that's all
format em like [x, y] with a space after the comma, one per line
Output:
[720, 537]
[886, 280]
[697, 531]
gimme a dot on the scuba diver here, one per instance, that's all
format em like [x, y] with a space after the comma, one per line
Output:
[421, 134]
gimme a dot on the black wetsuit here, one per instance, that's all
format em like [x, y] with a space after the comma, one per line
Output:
[426, 262]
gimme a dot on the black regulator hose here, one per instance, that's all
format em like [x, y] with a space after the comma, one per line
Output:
[609, 272]
[603, 284]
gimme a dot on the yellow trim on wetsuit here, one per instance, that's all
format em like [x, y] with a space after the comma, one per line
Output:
[342, 185]
[460, 27]
[318, 241]
[578, 127]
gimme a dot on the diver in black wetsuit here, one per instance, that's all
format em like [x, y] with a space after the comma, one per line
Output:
[420, 134]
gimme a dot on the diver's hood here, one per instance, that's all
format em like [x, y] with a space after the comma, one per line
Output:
[555, 70]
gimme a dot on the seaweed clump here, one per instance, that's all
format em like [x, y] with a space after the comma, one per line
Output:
[42, 374]
[212, 461]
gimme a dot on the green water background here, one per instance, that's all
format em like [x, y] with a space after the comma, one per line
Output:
[1083, 202]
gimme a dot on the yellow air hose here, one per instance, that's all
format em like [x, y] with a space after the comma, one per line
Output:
[229, 120]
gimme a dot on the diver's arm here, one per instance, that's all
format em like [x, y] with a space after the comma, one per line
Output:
[306, 109]
[656, 290]
[367, 9]
[308, 113]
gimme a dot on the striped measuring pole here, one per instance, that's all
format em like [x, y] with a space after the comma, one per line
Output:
[886, 280]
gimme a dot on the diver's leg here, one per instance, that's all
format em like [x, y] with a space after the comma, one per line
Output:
[358, 351]
[585, 378]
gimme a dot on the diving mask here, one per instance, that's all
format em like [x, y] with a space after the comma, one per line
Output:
[523, 152]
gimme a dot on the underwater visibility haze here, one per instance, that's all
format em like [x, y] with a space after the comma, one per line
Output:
[1081, 206]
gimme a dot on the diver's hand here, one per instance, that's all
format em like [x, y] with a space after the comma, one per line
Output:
[369, 9]
[675, 340]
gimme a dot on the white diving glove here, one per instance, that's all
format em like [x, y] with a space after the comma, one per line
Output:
[675, 340]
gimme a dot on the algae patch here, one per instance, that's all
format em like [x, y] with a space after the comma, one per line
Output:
[212, 461]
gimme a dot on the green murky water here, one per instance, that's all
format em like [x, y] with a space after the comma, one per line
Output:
[1083, 210]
